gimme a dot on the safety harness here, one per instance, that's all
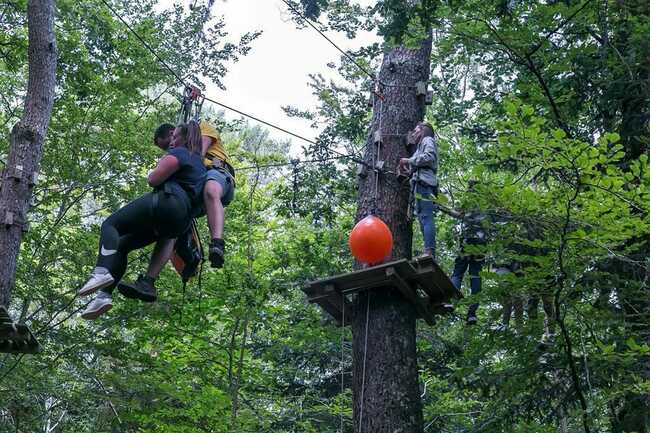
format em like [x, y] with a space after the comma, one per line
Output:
[188, 255]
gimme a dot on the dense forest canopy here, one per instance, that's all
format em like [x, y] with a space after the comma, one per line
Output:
[544, 105]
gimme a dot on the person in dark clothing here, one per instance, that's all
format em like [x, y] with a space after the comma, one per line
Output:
[511, 302]
[473, 234]
[219, 191]
[164, 213]
[542, 281]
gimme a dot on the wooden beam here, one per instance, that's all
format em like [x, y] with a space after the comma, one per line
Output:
[333, 302]
[337, 300]
[421, 305]
[423, 273]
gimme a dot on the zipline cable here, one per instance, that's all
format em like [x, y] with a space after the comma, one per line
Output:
[285, 164]
[143, 42]
[345, 53]
[242, 113]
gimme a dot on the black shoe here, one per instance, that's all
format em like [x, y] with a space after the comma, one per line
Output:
[143, 289]
[472, 320]
[216, 253]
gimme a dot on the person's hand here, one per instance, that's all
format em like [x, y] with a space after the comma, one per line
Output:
[403, 165]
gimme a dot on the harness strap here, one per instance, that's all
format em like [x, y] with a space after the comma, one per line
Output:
[219, 163]
[155, 200]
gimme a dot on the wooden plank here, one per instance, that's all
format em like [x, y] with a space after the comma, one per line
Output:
[441, 309]
[401, 285]
[362, 277]
[15, 337]
[422, 306]
[407, 276]
[29, 347]
[423, 277]
[434, 280]
[4, 315]
[338, 301]
[7, 331]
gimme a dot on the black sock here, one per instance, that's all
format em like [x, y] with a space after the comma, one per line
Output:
[218, 242]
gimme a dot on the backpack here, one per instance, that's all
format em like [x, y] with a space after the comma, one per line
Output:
[188, 253]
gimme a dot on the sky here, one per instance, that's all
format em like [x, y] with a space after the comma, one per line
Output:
[275, 72]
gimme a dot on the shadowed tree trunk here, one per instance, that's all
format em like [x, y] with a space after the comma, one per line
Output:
[387, 397]
[27, 138]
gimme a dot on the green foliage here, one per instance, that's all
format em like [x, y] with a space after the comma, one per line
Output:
[545, 104]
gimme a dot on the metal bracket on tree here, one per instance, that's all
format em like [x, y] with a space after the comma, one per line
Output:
[191, 104]
[422, 89]
[10, 218]
[18, 174]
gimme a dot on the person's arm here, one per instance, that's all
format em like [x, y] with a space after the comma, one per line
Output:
[427, 157]
[167, 166]
[451, 212]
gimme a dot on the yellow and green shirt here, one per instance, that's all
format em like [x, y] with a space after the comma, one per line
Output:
[216, 149]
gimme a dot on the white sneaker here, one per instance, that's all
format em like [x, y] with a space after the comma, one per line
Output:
[99, 279]
[98, 306]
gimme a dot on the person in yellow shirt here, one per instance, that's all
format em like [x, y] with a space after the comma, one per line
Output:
[219, 190]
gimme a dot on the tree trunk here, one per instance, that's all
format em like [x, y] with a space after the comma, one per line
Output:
[386, 388]
[27, 138]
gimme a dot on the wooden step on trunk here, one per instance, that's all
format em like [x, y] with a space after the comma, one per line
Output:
[421, 281]
[15, 337]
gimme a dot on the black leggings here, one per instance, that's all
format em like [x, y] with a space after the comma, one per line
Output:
[142, 222]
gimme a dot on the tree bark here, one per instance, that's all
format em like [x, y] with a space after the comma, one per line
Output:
[386, 389]
[26, 139]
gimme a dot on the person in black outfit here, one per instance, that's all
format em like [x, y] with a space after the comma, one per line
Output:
[164, 213]
[473, 234]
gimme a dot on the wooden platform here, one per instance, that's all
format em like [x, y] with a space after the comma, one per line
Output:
[15, 337]
[420, 280]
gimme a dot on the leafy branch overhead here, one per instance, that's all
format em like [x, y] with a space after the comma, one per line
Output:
[542, 112]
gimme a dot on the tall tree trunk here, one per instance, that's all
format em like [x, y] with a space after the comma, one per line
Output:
[27, 139]
[386, 388]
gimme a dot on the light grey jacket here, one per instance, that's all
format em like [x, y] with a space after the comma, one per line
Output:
[424, 162]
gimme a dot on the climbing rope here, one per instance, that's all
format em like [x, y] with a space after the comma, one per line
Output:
[377, 151]
[342, 359]
[363, 370]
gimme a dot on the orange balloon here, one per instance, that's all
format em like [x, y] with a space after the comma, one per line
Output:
[371, 240]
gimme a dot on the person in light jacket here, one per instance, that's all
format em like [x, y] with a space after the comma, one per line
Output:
[423, 166]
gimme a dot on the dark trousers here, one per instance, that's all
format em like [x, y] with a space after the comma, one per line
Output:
[461, 265]
[138, 224]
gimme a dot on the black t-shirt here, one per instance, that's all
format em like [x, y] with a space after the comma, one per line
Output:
[187, 182]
